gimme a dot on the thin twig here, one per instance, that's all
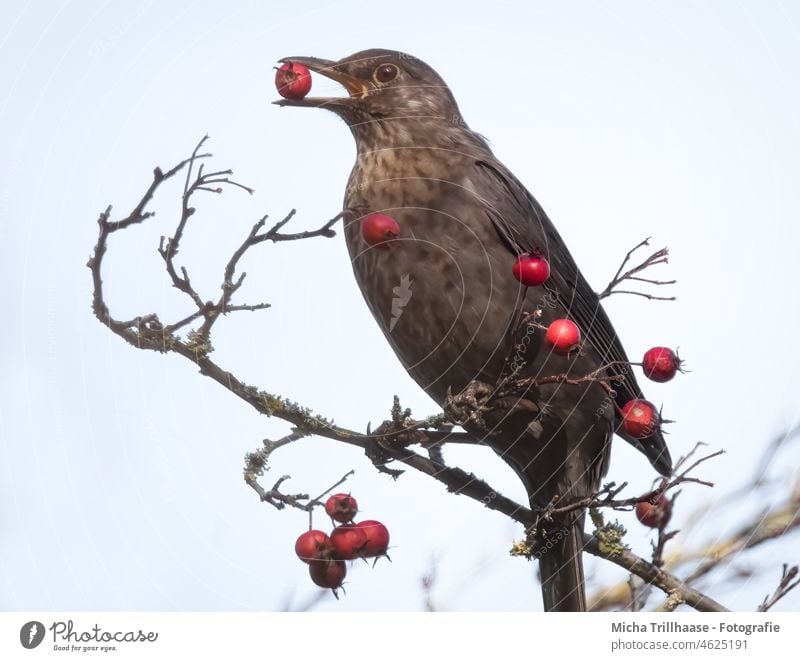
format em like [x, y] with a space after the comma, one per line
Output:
[605, 496]
[786, 585]
[658, 257]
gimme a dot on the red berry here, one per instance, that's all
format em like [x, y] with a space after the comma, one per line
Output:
[640, 418]
[348, 541]
[531, 270]
[328, 574]
[313, 545]
[654, 513]
[377, 537]
[660, 364]
[293, 80]
[341, 507]
[378, 228]
[564, 335]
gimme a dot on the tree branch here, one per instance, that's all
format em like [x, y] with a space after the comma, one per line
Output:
[391, 441]
[653, 575]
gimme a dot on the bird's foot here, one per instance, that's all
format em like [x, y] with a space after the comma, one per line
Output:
[378, 452]
[388, 436]
[468, 406]
[399, 433]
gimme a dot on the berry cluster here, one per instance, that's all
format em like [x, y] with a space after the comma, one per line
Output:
[326, 554]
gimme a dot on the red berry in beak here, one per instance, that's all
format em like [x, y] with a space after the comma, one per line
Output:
[293, 80]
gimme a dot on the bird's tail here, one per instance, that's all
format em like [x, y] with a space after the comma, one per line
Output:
[561, 566]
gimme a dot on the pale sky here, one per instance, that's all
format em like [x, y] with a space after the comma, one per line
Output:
[120, 471]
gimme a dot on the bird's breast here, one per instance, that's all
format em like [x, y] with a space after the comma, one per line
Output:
[442, 292]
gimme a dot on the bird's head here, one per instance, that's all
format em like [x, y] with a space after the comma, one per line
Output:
[382, 86]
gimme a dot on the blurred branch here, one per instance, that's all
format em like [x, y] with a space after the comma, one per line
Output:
[777, 443]
[761, 528]
[786, 585]
[428, 582]
[653, 575]
[759, 479]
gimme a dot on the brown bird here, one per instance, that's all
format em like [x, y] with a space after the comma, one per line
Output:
[445, 297]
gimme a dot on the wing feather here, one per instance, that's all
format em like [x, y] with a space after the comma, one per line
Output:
[523, 226]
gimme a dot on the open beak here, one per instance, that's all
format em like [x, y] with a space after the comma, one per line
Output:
[330, 69]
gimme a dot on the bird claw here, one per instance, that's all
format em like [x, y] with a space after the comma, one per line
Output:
[468, 406]
[379, 457]
[390, 431]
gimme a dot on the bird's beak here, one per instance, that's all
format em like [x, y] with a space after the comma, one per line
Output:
[330, 69]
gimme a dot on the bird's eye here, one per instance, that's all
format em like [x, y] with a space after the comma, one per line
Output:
[385, 73]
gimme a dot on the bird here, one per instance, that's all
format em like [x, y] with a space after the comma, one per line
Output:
[464, 219]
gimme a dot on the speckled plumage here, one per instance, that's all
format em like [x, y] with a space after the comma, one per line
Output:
[463, 219]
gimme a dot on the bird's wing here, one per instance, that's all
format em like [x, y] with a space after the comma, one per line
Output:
[523, 226]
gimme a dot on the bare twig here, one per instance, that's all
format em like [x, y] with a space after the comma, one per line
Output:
[275, 235]
[651, 297]
[277, 498]
[146, 331]
[599, 376]
[605, 496]
[658, 257]
[786, 585]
